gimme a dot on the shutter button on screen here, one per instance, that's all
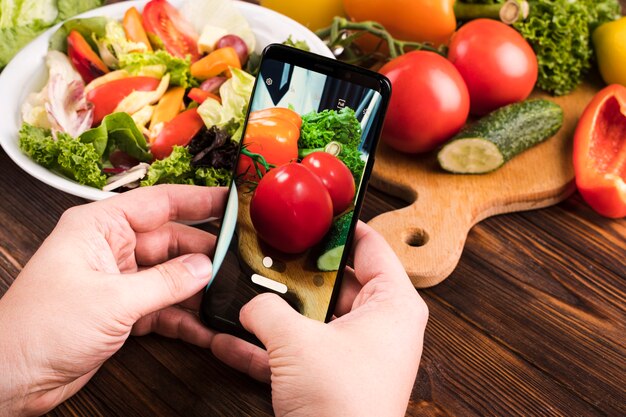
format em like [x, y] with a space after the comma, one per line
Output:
[269, 283]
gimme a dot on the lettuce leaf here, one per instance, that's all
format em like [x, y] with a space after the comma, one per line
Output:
[178, 68]
[66, 155]
[175, 169]
[229, 115]
[23, 20]
[118, 131]
[212, 177]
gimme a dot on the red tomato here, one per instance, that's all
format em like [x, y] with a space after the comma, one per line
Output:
[497, 64]
[429, 104]
[106, 97]
[178, 131]
[291, 209]
[162, 20]
[335, 176]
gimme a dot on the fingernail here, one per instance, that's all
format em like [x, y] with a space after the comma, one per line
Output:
[199, 265]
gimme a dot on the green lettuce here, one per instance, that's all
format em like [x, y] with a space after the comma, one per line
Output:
[320, 128]
[212, 177]
[66, 155]
[178, 68]
[23, 20]
[118, 131]
[229, 115]
[115, 44]
[175, 169]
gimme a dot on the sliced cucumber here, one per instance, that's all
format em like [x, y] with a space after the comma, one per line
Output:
[496, 138]
[334, 243]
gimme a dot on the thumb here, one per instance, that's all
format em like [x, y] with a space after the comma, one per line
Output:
[168, 283]
[271, 319]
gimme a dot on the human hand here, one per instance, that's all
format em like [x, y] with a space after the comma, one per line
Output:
[85, 291]
[362, 363]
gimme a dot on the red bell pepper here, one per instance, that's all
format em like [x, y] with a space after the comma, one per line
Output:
[85, 60]
[600, 152]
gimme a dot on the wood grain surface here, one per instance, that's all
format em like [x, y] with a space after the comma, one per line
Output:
[430, 233]
[530, 323]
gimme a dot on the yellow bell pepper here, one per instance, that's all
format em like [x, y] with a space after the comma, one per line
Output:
[609, 41]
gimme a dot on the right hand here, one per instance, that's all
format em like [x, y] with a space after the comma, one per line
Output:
[362, 363]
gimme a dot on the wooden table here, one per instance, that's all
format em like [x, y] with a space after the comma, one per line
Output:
[531, 323]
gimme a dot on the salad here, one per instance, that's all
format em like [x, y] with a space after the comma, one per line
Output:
[158, 97]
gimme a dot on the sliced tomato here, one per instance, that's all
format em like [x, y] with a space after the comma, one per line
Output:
[106, 97]
[133, 27]
[199, 96]
[178, 131]
[163, 21]
[85, 60]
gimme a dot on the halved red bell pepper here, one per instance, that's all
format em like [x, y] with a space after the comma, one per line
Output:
[85, 60]
[600, 152]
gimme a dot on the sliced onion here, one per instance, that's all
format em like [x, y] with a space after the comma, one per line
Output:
[212, 85]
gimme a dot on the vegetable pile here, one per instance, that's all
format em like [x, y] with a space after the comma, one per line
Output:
[159, 97]
[487, 66]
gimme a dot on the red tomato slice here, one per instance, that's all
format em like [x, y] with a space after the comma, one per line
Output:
[162, 20]
[199, 96]
[106, 97]
[178, 131]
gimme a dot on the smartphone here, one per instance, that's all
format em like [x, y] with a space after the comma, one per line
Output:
[278, 233]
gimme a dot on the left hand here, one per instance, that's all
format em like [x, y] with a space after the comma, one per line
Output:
[85, 291]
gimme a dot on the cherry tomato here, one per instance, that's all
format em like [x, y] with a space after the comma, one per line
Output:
[335, 176]
[162, 20]
[85, 60]
[106, 97]
[497, 64]
[291, 210]
[237, 44]
[429, 103]
[273, 138]
[178, 131]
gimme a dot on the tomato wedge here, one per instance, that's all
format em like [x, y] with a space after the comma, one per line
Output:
[106, 97]
[133, 27]
[85, 60]
[179, 131]
[162, 20]
[200, 96]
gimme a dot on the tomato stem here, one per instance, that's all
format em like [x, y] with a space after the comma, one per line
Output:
[342, 33]
[257, 159]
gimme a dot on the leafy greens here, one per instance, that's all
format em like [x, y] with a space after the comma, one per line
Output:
[178, 68]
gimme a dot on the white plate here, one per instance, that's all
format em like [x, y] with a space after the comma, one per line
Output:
[27, 73]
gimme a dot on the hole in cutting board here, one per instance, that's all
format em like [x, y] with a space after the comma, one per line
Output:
[416, 237]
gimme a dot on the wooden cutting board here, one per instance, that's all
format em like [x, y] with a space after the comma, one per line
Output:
[430, 233]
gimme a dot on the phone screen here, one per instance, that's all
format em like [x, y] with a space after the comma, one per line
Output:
[277, 234]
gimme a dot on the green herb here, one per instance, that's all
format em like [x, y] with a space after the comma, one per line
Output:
[66, 155]
[319, 128]
[175, 169]
[178, 68]
[297, 44]
[118, 131]
[559, 32]
[212, 177]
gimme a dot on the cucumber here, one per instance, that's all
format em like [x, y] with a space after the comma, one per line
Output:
[335, 243]
[496, 138]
